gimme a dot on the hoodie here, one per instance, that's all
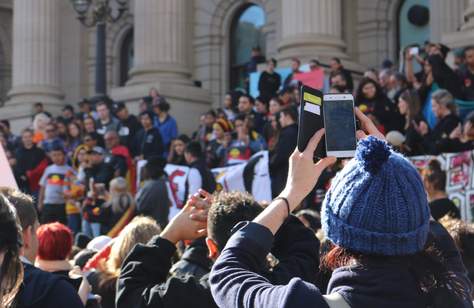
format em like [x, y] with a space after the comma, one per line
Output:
[42, 289]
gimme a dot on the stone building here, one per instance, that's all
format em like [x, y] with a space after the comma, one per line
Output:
[193, 51]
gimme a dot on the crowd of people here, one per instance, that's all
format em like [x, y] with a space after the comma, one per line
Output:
[82, 232]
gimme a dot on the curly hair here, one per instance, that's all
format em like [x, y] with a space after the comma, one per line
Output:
[228, 209]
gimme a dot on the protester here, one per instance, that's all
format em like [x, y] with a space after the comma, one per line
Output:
[40, 122]
[129, 124]
[98, 170]
[409, 108]
[229, 107]
[444, 109]
[466, 73]
[247, 143]
[106, 122]
[204, 135]
[54, 247]
[118, 202]
[176, 155]
[11, 269]
[51, 202]
[372, 101]
[286, 144]
[336, 66]
[391, 241]
[152, 199]
[39, 288]
[270, 81]
[461, 138]
[85, 110]
[255, 59]
[143, 280]
[295, 69]
[165, 123]
[118, 156]
[139, 231]
[434, 180]
[339, 82]
[221, 131]
[148, 141]
[200, 177]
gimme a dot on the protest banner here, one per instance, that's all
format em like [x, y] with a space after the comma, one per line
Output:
[314, 78]
[459, 169]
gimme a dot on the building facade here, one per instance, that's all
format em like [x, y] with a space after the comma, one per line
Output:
[192, 50]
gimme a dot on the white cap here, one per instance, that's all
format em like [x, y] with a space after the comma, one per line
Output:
[99, 242]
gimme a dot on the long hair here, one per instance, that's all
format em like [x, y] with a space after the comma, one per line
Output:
[11, 269]
[428, 266]
[412, 99]
[360, 97]
[139, 230]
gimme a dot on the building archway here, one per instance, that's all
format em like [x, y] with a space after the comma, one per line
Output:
[246, 33]
[126, 57]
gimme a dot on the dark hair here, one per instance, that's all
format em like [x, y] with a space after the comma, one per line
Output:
[93, 135]
[360, 95]
[211, 112]
[155, 167]
[413, 100]
[228, 209]
[291, 112]
[296, 60]
[336, 59]
[11, 269]
[147, 113]
[38, 104]
[340, 74]
[69, 107]
[429, 267]
[194, 148]
[466, 49]
[249, 97]
[312, 217]
[184, 138]
[274, 61]
[434, 175]
[163, 105]
[102, 103]
[24, 205]
[6, 123]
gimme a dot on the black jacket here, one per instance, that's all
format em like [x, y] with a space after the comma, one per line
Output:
[268, 85]
[432, 142]
[208, 179]
[28, 159]
[152, 200]
[143, 279]
[42, 289]
[148, 143]
[279, 157]
[128, 129]
[381, 282]
[194, 261]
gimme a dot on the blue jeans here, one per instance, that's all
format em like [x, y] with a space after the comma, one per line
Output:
[91, 229]
[74, 222]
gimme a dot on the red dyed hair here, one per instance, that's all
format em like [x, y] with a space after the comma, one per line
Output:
[55, 241]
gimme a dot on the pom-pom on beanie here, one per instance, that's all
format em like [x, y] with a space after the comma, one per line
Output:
[377, 203]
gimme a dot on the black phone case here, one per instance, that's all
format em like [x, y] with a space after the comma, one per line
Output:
[311, 122]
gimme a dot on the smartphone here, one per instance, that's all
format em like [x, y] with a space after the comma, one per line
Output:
[414, 51]
[311, 119]
[340, 124]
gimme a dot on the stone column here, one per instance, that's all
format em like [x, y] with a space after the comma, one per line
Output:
[465, 36]
[311, 28]
[445, 17]
[36, 53]
[469, 17]
[162, 41]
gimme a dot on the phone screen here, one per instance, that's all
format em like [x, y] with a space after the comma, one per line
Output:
[340, 127]
[414, 51]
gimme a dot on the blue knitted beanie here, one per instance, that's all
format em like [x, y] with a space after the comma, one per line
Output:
[377, 203]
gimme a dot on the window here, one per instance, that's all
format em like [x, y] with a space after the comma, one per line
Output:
[126, 57]
[246, 33]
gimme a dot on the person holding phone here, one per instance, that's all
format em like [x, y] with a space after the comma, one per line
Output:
[376, 213]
